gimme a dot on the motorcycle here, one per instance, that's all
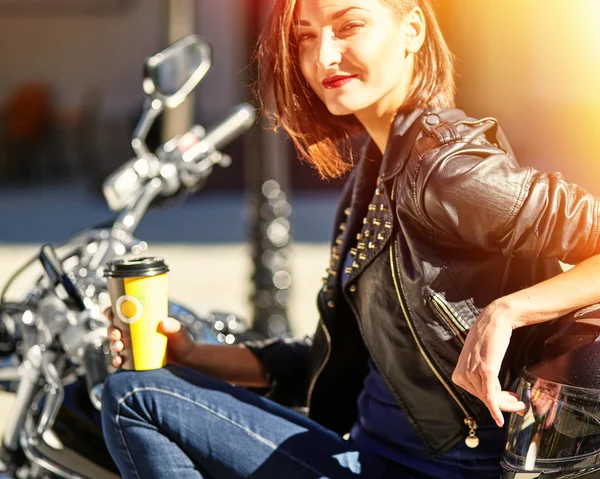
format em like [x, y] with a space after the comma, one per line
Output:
[53, 340]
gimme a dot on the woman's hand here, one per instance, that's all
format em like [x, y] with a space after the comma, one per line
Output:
[479, 363]
[179, 344]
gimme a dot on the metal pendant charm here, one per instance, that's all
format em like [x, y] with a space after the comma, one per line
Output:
[472, 441]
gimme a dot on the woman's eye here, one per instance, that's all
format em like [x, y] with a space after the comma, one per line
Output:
[350, 26]
[305, 36]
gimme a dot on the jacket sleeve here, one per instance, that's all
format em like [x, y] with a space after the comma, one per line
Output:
[491, 202]
[286, 364]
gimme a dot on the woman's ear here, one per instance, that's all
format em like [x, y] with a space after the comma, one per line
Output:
[415, 30]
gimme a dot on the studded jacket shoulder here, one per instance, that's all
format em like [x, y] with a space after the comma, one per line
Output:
[442, 225]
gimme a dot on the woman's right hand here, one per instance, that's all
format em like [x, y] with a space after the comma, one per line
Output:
[180, 345]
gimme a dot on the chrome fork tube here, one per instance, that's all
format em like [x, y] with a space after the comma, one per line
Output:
[55, 396]
[30, 374]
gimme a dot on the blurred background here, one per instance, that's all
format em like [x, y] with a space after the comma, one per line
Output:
[70, 96]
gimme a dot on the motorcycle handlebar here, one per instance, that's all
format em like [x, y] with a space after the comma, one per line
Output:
[172, 165]
[135, 186]
[53, 267]
[235, 124]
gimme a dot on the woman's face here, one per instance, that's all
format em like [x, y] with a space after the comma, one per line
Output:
[353, 54]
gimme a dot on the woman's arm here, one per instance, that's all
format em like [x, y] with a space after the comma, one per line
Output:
[490, 203]
[277, 364]
[576, 288]
[233, 364]
[479, 363]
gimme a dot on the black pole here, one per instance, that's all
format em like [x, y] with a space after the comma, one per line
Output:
[268, 212]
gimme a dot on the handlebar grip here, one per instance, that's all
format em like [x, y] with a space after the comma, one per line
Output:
[235, 124]
[53, 267]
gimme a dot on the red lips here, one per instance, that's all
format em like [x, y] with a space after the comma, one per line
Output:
[336, 81]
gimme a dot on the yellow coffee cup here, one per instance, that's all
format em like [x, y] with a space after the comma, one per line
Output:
[138, 295]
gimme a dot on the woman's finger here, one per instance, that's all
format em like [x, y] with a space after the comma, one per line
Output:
[494, 407]
[507, 402]
[493, 399]
[117, 361]
[513, 394]
[169, 326]
[114, 333]
[117, 346]
[511, 398]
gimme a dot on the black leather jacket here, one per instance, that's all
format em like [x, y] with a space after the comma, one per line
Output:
[439, 227]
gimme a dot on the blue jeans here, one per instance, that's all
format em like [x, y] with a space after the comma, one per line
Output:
[177, 422]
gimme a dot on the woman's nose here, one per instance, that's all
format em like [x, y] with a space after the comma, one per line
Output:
[329, 53]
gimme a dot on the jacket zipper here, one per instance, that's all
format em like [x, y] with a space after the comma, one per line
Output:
[471, 440]
[321, 366]
[444, 312]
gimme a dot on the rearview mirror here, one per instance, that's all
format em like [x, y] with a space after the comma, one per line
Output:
[170, 76]
[173, 73]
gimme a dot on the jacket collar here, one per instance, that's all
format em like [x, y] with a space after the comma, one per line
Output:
[371, 165]
[399, 144]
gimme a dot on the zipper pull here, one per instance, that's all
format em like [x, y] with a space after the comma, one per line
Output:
[472, 441]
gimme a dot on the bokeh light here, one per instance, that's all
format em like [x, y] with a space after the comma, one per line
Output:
[534, 65]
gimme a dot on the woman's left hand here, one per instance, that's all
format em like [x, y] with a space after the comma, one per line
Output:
[479, 363]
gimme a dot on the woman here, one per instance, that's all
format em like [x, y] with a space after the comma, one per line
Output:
[439, 234]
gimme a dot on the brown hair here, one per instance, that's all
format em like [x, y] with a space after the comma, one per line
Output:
[321, 138]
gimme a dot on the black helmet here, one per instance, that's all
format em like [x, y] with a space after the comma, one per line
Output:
[558, 434]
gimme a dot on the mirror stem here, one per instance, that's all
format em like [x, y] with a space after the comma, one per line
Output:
[152, 108]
